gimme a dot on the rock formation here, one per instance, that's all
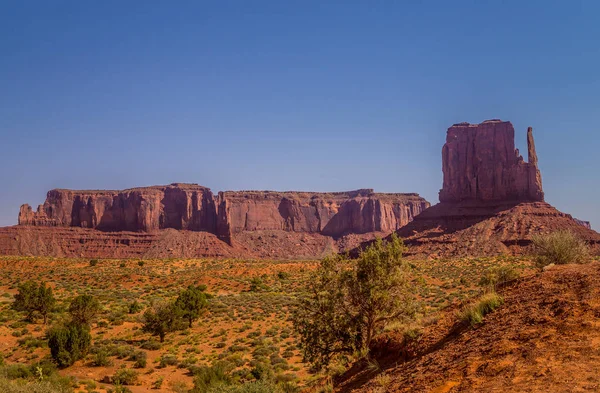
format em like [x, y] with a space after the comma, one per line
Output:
[491, 201]
[146, 209]
[480, 162]
[133, 222]
[331, 214]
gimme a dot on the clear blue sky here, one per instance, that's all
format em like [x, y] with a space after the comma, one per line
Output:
[290, 95]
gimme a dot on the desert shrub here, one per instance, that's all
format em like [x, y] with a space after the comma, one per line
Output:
[83, 309]
[559, 248]
[283, 275]
[255, 387]
[93, 262]
[140, 263]
[33, 298]
[158, 382]
[168, 359]
[161, 319]
[498, 275]
[474, 312]
[140, 359]
[68, 343]
[351, 301]
[257, 285]
[46, 386]
[101, 359]
[208, 378]
[151, 345]
[134, 307]
[125, 376]
[262, 372]
[192, 302]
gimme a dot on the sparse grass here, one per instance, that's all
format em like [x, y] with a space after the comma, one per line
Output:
[474, 312]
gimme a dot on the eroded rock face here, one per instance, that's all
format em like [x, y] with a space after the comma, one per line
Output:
[193, 207]
[331, 214]
[480, 162]
[146, 209]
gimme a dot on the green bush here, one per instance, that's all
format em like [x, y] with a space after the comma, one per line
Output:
[93, 262]
[134, 307]
[33, 298]
[474, 312]
[101, 359]
[83, 309]
[208, 378]
[125, 376]
[68, 343]
[498, 275]
[559, 248]
[161, 319]
[140, 359]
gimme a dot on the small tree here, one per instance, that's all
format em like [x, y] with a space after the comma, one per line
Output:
[161, 319]
[351, 301]
[559, 247]
[192, 302]
[33, 298]
[83, 309]
[26, 299]
[45, 300]
[68, 343]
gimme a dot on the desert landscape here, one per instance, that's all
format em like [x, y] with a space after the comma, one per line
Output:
[299, 197]
[182, 290]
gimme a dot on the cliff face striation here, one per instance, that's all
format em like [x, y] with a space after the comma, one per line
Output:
[480, 162]
[331, 214]
[146, 209]
[226, 216]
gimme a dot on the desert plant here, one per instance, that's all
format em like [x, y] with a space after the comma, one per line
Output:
[351, 301]
[192, 302]
[83, 309]
[68, 343]
[161, 319]
[33, 298]
[125, 376]
[498, 275]
[559, 248]
[474, 312]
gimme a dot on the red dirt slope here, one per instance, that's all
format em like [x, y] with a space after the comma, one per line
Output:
[545, 338]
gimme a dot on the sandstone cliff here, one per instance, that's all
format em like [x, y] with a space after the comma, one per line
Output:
[146, 209]
[331, 214]
[193, 207]
[480, 162]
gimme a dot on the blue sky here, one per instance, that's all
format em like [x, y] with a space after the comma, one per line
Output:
[290, 95]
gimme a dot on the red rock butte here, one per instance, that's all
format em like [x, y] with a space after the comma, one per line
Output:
[491, 201]
[480, 162]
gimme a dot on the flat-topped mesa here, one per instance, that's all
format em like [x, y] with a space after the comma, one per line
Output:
[332, 214]
[480, 162]
[146, 209]
[193, 207]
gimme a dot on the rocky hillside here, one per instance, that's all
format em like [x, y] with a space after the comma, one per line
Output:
[543, 339]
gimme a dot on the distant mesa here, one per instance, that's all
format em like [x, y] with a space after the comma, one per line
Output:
[287, 224]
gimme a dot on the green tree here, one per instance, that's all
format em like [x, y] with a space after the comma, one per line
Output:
[68, 343]
[161, 319]
[83, 309]
[351, 301]
[33, 298]
[26, 299]
[192, 302]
